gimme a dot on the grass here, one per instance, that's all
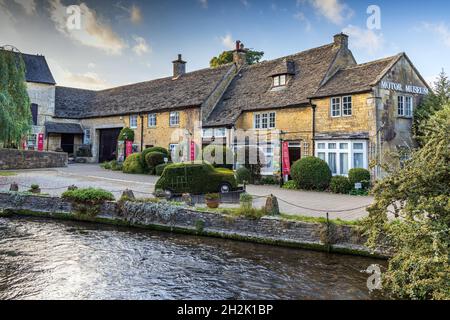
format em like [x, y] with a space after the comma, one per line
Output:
[7, 174]
[338, 221]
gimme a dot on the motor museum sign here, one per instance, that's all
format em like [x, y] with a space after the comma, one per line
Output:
[404, 88]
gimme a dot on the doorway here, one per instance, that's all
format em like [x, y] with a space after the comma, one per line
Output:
[67, 142]
[295, 152]
[108, 144]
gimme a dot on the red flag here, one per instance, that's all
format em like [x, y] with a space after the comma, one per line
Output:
[286, 160]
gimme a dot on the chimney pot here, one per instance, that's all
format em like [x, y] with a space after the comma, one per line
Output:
[179, 67]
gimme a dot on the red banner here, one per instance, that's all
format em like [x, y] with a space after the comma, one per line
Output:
[192, 150]
[40, 142]
[128, 148]
[286, 160]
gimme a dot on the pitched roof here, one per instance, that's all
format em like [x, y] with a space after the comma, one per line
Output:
[55, 127]
[251, 88]
[358, 78]
[189, 90]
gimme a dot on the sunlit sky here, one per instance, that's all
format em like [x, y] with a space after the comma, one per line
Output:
[123, 42]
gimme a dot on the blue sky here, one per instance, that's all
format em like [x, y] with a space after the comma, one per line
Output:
[124, 41]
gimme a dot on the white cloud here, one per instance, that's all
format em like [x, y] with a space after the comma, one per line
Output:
[28, 5]
[135, 14]
[203, 3]
[441, 30]
[333, 10]
[141, 46]
[91, 65]
[300, 16]
[93, 33]
[228, 42]
[365, 39]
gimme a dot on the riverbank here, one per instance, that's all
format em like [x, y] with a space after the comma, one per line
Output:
[164, 216]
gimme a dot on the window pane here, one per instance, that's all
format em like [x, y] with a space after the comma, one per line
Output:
[344, 163]
[272, 120]
[332, 146]
[408, 106]
[321, 146]
[400, 106]
[358, 160]
[276, 81]
[257, 121]
[358, 146]
[321, 155]
[332, 162]
[264, 122]
[335, 107]
[343, 146]
[347, 106]
[282, 80]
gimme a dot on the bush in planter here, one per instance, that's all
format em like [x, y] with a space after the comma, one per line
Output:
[35, 189]
[243, 175]
[126, 134]
[132, 164]
[153, 159]
[340, 184]
[87, 201]
[153, 149]
[359, 175]
[311, 173]
[159, 169]
[212, 200]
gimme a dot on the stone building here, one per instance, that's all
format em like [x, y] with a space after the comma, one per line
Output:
[319, 101]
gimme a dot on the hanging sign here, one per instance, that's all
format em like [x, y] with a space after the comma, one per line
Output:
[192, 150]
[286, 160]
[40, 138]
[128, 148]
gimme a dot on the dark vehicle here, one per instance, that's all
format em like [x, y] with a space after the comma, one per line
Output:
[196, 178]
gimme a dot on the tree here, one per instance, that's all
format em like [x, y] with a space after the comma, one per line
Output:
[418, 196]
[225, 57]
[15, 112]
[431, 104]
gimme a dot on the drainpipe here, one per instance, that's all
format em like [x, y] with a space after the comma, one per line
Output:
[313, 106]
[142, 132]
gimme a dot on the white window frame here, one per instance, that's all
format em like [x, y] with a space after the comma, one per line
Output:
[264, 121]
[280, 80]
[172, 148]
[87, 139]
[405, 106]
[133, 118]
[336, 107]
[214, 132]
[153, 122]
[174, 119]
[350, 151]
[347, 106]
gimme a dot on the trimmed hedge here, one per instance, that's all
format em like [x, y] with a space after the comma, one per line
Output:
[159, 169]
[311, 173]
[150, 150]
[88, 195]
[340, 184]
[243, 174]
[126, 134]
[359, 175]
[200, 178]
[133, 164]
[154, 159]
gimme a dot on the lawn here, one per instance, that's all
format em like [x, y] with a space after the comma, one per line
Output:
[7, 174]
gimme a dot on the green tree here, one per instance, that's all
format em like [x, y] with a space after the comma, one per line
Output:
[418, 197]
[15, 113]
[225, 57]
[431, 104]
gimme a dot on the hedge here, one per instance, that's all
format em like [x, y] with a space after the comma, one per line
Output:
[133, 164]
[311, 173]
[153, 149]
[153, 159]
[243, 174]
[160, 168]
[340, 184]
[359, 175]
[126, 134]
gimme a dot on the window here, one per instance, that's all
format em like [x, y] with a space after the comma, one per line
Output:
[279, 81]
[405, 106]
[335, 107]
[343, 155]
[151, 122]
[216, 133]
[87, 136]
[34, 113]
[32, 142]
[347, 106]
[174, 119]
[133, 121]
[265, 120]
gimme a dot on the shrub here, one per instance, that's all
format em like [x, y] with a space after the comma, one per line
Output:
[311, 173]
[243, 175]
[250, 213]
[153, 149]
[270, 180]
[126, 134]
[116, 166]
[132, 164]
[290, 185]
[159, 169]
[340, 184]
[246, 201]
[153, 159]
[209, 155]
[88, 201]
[106, 165]
[212, 196]
[359, 175]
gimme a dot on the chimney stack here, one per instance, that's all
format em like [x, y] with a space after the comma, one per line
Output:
[240, 54]
[341, 41]
[179, 67]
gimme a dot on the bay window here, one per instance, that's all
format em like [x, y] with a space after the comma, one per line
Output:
[344, 155]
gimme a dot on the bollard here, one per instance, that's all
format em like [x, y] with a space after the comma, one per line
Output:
[14, 187]
[272, 208]
[127, 195]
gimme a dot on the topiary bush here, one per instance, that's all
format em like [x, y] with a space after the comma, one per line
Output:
[133, 164]
[243, 175]
[311, 173]
[340, 184]
[159, 169]
[359, 175]
[126, 134]
[153, 159]
[153, 149]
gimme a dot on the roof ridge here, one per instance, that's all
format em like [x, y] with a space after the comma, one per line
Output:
[373, 62]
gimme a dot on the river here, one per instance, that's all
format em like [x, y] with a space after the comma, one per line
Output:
[46, 259]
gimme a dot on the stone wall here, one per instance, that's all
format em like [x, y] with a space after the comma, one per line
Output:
[11, 159]
[168, 217]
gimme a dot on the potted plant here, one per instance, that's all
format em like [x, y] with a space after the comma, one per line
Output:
[35, 189]
[212, 200]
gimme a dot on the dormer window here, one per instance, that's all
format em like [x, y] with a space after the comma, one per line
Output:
[279, 81]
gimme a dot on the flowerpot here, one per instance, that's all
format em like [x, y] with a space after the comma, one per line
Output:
[213, 204]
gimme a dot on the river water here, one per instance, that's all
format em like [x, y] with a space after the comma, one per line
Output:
[45, 259]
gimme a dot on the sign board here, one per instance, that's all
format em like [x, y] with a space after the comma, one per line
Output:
[286, 160]
[128, 148]
[404, 88]
[358, 186]
[40, 142]
[192, 150]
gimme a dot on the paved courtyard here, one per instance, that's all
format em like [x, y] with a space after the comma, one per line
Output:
[55, 181]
